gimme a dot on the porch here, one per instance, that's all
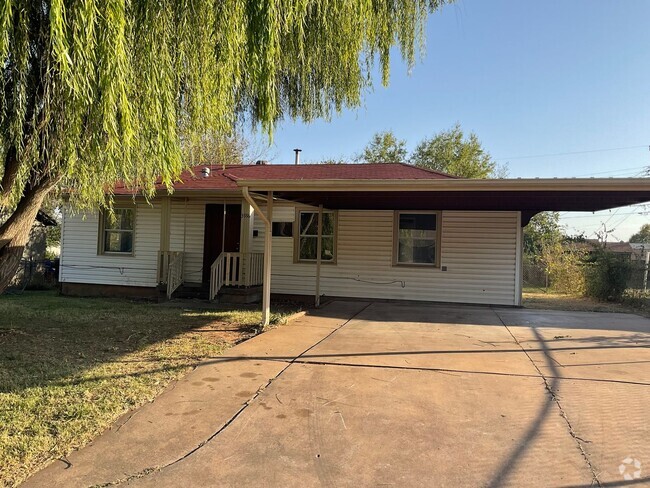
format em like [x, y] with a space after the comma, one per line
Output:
[240, 272]
[205, 248]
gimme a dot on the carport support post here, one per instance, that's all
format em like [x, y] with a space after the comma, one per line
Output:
[319, 249]
[268, 249]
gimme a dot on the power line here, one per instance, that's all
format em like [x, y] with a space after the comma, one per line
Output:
[574, 152]
[601, 216]
[625, 170]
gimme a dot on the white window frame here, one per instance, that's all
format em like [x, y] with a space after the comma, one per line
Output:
[398, 213]
[101, 247]
[297, 235]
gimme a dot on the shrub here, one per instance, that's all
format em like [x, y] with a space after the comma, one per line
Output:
[564, 265]
[607, 276]
[638, 299]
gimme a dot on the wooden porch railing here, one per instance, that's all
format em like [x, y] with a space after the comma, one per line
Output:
[170, 270]
[236, 269]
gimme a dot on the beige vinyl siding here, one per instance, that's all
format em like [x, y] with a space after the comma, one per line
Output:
[187, 227]
[80, 262]
[478, 249]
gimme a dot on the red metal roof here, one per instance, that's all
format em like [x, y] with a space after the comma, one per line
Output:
[220, 179]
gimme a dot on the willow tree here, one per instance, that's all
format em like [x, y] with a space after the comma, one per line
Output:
[96, 91]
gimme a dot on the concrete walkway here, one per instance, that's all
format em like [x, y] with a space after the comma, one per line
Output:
[367, 394]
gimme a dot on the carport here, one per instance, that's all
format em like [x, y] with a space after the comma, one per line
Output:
[525, 196]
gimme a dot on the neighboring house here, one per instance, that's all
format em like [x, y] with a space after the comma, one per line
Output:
[388, 231]
[641, 251]
[622, 249]
[629, 250]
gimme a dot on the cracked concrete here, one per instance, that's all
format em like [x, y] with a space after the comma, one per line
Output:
[407, 395]
[551, 385]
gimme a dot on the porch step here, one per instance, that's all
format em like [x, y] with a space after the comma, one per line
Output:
[192, 291]
[234, 294]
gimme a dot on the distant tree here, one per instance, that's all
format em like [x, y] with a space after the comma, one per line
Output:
[333, 160]
[384, 147]
[451, 152]
[542, 230]
[643, 236]
[215, 148]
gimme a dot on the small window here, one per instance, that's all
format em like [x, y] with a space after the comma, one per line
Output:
[282, 229]
[117, 232]
[307, 241]
[416, 239]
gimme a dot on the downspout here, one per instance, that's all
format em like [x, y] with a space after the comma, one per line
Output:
[252, 203]
[268, 250]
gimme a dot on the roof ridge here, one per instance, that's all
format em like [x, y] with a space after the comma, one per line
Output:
[429, 170]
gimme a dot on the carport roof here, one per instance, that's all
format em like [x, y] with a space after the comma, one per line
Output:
[529, 196]
[405, 187]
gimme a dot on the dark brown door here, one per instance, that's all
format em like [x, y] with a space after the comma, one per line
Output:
[214, 240]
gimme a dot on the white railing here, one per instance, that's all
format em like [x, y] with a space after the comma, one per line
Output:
[175, 274]
[236, 269]
[170, 270]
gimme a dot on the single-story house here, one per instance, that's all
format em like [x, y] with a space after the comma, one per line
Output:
[384, 231]
[622, 249]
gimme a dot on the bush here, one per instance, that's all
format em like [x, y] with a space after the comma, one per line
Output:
[638, 299]
[607, 276]
[563, 264]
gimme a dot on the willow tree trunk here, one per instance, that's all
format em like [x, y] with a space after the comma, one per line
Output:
[14, 233]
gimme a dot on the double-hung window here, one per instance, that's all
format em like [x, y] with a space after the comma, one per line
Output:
[116, 231]
[307, 236]
[416, 238]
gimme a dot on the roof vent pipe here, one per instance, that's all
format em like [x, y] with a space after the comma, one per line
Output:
[261, 162]
[206, 172]
[297, 151]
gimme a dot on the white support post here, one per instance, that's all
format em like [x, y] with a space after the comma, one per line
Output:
[165, 215]
[246, 241]
[268, 250]
[319, 249]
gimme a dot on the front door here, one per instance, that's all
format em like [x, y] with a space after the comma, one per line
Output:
[214, 240]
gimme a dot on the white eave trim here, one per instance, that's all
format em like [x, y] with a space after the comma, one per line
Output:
[546, 184]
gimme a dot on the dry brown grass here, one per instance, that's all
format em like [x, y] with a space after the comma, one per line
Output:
[539, 299]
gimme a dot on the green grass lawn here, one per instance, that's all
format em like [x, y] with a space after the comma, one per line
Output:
[69, 367]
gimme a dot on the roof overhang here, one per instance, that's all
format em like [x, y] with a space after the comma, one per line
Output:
[529, 196]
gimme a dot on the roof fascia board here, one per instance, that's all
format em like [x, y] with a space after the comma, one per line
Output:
[185, 193]
[553, 184]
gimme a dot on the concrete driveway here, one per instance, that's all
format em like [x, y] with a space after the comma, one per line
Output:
[379, 394]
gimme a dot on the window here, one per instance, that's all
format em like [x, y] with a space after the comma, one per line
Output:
[116, 234]
[307, 239]
[282, 229]
[416, 239]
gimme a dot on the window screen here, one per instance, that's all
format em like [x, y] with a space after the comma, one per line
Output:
[308, 238]
[416, 238]
[282, 229]
[118, 231]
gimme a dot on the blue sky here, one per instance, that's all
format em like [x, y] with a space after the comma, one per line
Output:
[529, 78]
